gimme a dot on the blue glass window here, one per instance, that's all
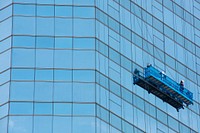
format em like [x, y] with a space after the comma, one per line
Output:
[5, 13]
[45, 26]
[83, 92]
[84, 43]
[113, 55]
[5, 59]
[42, 88]
[63, 11]
[44, 42]
[85, 2]
[5, 44]
[44, 75]
[84, 59]
[24, 1]
[115, 88]
[44, 58]
[63, 27]
[62, 108]
[20, 9]
[63, 59]
[22, 91]
[84, 109]
[43, 108]
[63, 43]
[115, 121]
[62, 92]
[45, 10]
[24, 41]
[20, 124]
[23, 57]
[6, 27]
[4, 124]
[62, 124]
[4, 93]
[84, 75]
[84, 125]
[84, 12]
[21, 108]
[5, 3]
[21, 25]
[62, 75]
[42, 124]
[3, 111]
[22, 74]
[45, 1]
[84, 27]
[63, 2]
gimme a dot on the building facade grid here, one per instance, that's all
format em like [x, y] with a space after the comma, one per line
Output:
[66, 65]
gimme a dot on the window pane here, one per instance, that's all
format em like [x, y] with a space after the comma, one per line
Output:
[43, 108]
[45, 1]
[23, 57]
[4, 93]
[20, 124]
[62, 124]
[5, 44]
[44, 58]
[84, 109]
[63, 11]
[63, 43]
[84, 2]
[84, 75]
[63, 59]
[24, 10]
[21, 25]
[5, 13]
[83, 92]
[3, 111]
[63, 27]
[63, 2]
[21, 108]
[44, 42]
[42, 124]
[4, 124]
[63, 75]
[22, 91]
[84, 12]
[5, 77]
[84, 59]
[22, 74]
[84, 43]
[42, 88]
[83, 125]
[45, 10]
[45, 74]
[63, 92]
[5, 60]
[45, 26]
[62, 108]
[6, 27]
[24, 41]
[84, 27]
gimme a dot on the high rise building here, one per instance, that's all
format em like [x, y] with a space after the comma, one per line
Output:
[66, 66]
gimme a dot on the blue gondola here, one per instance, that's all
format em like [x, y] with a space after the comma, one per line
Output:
[159, 84]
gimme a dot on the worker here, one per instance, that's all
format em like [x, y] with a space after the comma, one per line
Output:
[163, 75]
[148, 65]
[182, 86]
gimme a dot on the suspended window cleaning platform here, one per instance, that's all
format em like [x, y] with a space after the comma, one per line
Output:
[162, 86]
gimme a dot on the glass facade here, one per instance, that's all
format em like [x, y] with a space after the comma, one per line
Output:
[66, 66]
